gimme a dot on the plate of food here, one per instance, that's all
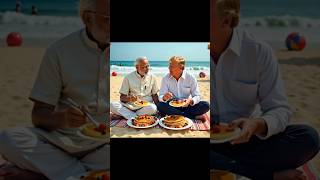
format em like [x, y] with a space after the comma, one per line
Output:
[178, 102]
[141, 103]
[90, 131]
[175, 122]
[93, 175]
[223, 133]
[143, 122]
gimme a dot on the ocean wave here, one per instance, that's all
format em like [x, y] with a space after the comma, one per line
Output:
[24, 19]
[123, 70]
[280, 21]
[38, 27]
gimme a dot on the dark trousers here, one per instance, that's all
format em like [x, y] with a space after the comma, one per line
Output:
[259, 159]
[191, 111]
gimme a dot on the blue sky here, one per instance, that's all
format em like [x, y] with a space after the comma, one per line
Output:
[159, 51]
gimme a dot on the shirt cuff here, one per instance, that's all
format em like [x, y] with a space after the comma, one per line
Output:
[161, 98]
[271, 127]
[196, 100]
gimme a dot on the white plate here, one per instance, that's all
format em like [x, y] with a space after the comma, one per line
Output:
[129, 122]
[138, 105]
[91, 138]
[218, 141]
[170, 103]
[190, 123]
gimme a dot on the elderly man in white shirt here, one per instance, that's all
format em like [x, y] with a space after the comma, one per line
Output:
[138, 85]
[246, 74]
[179, 84]
[73, 67]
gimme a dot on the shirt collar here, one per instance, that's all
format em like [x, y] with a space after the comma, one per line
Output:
[235, 43]
[88, 41]
[183, 75]
[137, 74]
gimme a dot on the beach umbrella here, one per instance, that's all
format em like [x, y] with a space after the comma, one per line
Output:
[14, 39]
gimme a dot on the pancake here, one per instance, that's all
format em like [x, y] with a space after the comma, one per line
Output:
[175, 121]
[177, 103]
[141, 103]
[144, 120]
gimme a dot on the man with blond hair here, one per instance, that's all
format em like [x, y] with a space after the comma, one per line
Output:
[181, 85]
[74, 67]
[246, 77]
[138, 85]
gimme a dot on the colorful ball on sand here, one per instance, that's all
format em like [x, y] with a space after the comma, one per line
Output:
[114, 73]
[202, 75]
[295, 42]
[14, 39]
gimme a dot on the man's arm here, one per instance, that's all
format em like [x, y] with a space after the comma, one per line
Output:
[45, 117]
[127, 98]
[155, 98]
[195, 92]
[163, 89]
[271, 94]
[42, 116]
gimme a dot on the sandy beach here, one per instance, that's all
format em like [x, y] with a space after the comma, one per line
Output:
[18, 69]
[116, 132]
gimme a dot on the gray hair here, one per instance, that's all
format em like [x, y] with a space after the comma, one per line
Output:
[139, 59]
[87, 5]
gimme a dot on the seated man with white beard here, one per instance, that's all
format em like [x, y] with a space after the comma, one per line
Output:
[138, 85]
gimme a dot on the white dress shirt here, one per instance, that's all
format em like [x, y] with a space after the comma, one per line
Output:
[247, 76]
[185, 87]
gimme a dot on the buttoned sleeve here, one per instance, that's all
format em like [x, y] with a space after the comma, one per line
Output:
[47, 87]
[125, 86]
[195, 92]
[273, 101]
[164, 88]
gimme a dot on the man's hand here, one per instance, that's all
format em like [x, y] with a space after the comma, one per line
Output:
[249, 128]
[69, 117]
[188, 102]
[132, 98]
[167, 96]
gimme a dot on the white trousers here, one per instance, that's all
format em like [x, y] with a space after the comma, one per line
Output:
[119, 109]
[30, 151]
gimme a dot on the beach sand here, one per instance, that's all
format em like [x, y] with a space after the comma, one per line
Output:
[301, 74]
[116, 132]
[18, 69]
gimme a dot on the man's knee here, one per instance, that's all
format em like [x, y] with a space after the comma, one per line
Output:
[114, 106]
[311, 139]
[14, 140]
[205, 106]
[17, 137]
[307, 140]
[162, 106]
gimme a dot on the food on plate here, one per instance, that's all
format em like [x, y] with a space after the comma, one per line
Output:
[144, 120]
[97, 132]
[141, 103]
[175, 121]
[222, 131]
[178, 103]
[97, 175]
